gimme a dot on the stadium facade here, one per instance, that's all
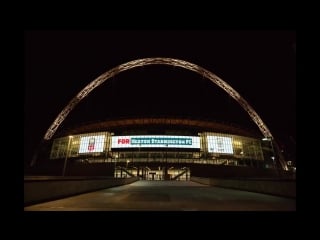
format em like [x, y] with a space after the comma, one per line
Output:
[160, 148]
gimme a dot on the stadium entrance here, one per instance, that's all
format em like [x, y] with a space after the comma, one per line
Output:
[153, 174]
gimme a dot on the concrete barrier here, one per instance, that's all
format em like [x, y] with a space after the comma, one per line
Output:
[284, 188]
[40, 189]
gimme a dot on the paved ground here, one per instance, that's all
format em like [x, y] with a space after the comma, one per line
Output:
[168, 196]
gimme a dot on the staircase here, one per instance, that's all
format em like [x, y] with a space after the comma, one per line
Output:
[185, 170]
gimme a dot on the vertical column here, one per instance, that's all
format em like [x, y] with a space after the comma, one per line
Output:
[65, 160]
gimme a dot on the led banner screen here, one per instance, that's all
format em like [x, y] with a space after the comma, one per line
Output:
[217, 144]
[155, 141]
[91, 144]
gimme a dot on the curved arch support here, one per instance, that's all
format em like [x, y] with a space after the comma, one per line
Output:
[159, 61]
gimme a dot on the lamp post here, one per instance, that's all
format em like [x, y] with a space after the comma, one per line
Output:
[115, 156]
[65, 160]
[140, 152]
[166, 154]
[166, 165]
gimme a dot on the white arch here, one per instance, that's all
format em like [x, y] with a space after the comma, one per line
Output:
[159, 61]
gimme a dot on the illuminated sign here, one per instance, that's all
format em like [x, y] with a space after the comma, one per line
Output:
[217, 144]
[155, 141]
[91, 144]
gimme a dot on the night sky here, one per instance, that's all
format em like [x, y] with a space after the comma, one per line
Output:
[260, 65]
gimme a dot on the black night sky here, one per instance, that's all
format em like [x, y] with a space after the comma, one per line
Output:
[260, 65]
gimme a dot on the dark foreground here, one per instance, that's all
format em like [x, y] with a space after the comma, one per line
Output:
[168, 196]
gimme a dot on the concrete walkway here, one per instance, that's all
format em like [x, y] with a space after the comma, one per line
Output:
[168, 196]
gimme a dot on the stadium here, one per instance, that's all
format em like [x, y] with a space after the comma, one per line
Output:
[160, 148]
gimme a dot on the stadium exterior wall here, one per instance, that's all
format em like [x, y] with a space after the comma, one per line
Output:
[162, 146]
